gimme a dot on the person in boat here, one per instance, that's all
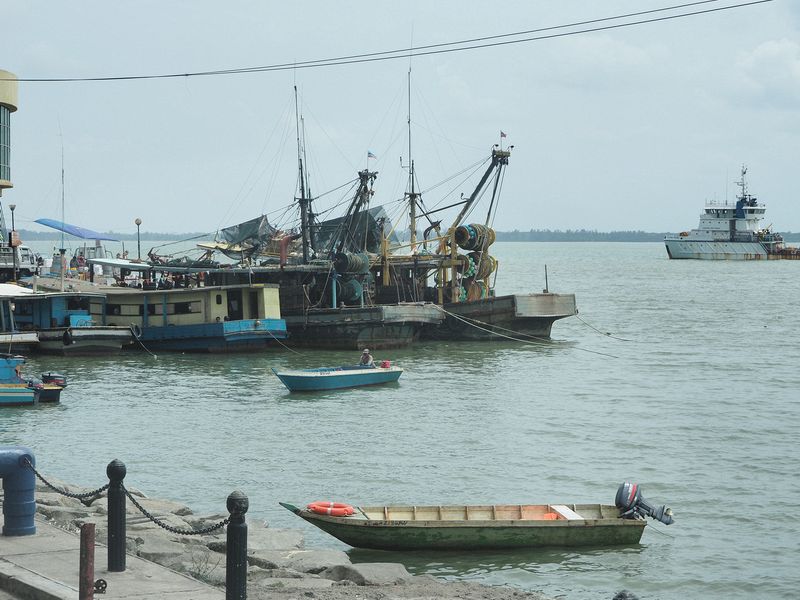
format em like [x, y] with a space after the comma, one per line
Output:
[366, 359]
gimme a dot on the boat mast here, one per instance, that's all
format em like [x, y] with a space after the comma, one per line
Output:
[412, 195]
[62, 250]
[303, 200]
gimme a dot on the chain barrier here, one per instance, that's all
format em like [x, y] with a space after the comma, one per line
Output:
[26, 461]
[142, 509]
[169, 528]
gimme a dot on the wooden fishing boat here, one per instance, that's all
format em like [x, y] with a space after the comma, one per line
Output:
[486, 527]
[332, 378]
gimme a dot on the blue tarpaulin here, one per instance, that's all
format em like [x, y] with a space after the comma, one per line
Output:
[80, 232]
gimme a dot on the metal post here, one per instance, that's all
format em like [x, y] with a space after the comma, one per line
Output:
[138, 222]
[11, 240]
[236, 548]
[19, 484]
[86, 569]
[116, 516]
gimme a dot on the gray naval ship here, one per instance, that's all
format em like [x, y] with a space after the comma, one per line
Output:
[731, 232]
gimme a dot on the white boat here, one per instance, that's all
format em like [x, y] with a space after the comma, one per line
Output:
[731, 232]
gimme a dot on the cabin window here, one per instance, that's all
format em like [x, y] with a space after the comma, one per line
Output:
[151, 309]
[113, 309]
[219, 298]
[185, 308]
[78, 304]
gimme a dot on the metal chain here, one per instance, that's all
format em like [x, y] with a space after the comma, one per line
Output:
[169, 528]
[26, 461]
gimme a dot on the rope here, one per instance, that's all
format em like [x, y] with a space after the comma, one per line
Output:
[136, 337]
[508, 337]
[605, 333]
[281, 343]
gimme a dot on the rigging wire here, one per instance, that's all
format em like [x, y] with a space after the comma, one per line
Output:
[430, 49]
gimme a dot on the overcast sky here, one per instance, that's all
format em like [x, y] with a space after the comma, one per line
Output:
[629, 128]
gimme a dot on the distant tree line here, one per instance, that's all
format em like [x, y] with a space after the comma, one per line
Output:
[590, 235]
[533, 235]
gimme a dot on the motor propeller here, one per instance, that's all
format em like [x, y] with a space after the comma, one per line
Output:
[629, 500]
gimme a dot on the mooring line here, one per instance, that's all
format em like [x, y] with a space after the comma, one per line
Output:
[136, 337]
[603, 333]
[281, 343]
[508, 337]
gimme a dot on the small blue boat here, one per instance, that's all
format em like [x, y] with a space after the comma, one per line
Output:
[14, 390]
[333, 378]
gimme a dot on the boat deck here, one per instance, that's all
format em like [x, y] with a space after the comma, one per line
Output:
[492, 512]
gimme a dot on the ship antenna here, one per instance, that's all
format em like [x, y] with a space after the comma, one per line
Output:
[62, 250]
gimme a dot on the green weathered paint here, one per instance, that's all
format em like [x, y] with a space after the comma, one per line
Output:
[476, 535]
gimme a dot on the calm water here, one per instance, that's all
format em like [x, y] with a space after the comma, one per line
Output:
[693, 395]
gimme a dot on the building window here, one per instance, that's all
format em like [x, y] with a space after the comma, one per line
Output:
[5, 143]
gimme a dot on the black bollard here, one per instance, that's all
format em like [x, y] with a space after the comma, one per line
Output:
[116, 516]
[236, 548]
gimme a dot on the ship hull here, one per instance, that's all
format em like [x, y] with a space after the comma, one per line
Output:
[518, 316]
[710, 250]
[375, 327]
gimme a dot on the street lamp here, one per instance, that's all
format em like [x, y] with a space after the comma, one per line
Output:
[11, 239]
[138, 222]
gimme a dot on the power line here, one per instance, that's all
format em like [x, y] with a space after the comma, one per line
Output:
[431, 49]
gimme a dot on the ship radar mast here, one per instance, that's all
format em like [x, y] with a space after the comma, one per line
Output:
[742, 183]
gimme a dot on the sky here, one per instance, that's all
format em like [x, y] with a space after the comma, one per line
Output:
[632, 128]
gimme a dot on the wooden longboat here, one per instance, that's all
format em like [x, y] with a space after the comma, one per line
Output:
[478, 527]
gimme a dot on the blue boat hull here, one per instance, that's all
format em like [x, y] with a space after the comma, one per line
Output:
[226, 336]
[16, 395]
[334, 378]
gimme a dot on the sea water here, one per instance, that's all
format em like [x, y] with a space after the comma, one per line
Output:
[679, 375]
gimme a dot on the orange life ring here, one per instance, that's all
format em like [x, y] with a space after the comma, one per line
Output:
[333, 509]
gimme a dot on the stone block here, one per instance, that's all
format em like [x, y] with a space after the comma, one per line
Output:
[265, 538]
[368, 573]
[303, 561]
[162, 551]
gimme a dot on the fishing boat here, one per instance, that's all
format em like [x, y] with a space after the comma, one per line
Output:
[731, 232]
[14, 390]
[333, 378]
[487, 527]
[62, 322]
[176, 311]
[350, 281]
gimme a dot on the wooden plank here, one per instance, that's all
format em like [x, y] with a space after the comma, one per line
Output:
[566, 512]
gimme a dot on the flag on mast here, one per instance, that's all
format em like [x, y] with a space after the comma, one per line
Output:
[371, 154]
[503, 134]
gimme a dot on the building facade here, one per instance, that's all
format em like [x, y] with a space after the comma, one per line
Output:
[8, 104]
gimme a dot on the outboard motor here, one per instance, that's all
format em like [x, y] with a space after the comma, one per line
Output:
[629, 500]
[55, 378]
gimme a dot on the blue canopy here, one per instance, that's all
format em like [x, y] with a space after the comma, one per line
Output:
[80, 232]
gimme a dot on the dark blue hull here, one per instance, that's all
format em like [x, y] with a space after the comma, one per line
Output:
[225, 336]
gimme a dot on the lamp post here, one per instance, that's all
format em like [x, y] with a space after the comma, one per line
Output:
[138, 222]
[11, 239]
